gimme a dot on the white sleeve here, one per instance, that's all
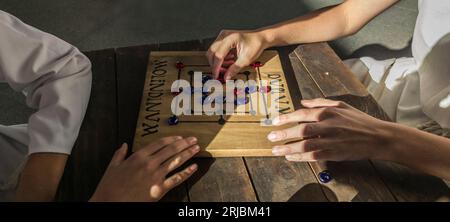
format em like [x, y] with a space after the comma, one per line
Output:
[434, 76]
[55, 77]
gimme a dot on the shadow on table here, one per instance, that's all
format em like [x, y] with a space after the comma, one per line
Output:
[304, 194]
[376, 51]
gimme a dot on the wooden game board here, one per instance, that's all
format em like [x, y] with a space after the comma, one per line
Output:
[243, 133]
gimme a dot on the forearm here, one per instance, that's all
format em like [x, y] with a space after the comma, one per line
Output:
[321, 25]
[420, 150]
[40, 178]
[325, 24]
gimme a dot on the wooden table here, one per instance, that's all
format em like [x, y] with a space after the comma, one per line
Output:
[118, 78]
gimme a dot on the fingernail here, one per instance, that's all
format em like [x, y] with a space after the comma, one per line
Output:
[178, 137]
[294, 158]
[192, 140]
[196, 148]
[277, 151]
[193, 167]
[272, 136]
[228, 77]
[276, 121]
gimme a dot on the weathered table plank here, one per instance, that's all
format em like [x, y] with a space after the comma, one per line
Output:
[276, 179]
[353, 181]
[403, 183]
[97, 139]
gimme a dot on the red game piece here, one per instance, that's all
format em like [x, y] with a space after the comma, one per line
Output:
[179, 65]
[177, 93]
[238, 91]
[256, 64]
[265, 89]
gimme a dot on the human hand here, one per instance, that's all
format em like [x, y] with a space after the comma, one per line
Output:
[233, 50]
[332, 130]
[142, 176]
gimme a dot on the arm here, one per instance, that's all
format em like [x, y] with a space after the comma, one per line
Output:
[40, 178]
[420, 150]
[325, 24]
[233, 49]
[56, 79]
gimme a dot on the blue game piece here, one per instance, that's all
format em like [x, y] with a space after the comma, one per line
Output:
[206, 78]
[251, 89]
[173, 120]
[241, 101]
[325, 176]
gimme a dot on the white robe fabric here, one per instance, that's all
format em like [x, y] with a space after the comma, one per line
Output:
[415, 90]
[56, 79]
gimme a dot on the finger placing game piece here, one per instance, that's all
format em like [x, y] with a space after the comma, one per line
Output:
[251, 89]
[325, 176]
[241, 101]
[221, 78]
[266, 89]
[256, 64]
[179, 65]
[173, 120]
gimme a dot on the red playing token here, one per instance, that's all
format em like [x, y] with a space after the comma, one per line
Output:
[177, 93]
[256, 64]
[179, 65]
[266, 89]
[238, 91]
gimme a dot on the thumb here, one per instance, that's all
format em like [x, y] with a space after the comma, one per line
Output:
[119, 155]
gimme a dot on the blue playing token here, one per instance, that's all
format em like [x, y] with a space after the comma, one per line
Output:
[206, 99]
[173, 120]
[251, 89]
[206, 78]
[268, 122]
[241, 101]
[325, 176]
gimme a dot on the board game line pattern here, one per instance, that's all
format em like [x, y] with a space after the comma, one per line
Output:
[256, 65]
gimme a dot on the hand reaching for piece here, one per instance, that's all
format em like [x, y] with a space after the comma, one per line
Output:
[232, 50]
